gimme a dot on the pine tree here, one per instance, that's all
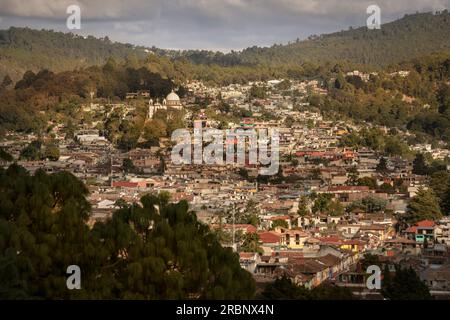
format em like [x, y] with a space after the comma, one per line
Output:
[382, 165]
[420, 165]
[424, 205]
[404, 285]
[152, 250]
[303, 206]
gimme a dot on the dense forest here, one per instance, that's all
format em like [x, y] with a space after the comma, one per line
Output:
[151, 250]
[412, 36]
[23, 49]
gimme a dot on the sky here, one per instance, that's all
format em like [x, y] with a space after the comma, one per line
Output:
[206, 24]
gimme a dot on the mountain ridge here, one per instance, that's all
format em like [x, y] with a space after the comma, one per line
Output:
[23, 49]
[378, 48]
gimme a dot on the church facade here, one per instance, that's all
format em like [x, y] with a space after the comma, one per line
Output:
[171, 101]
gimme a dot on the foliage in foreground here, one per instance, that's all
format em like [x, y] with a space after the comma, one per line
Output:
[156, 250]
[284, 289]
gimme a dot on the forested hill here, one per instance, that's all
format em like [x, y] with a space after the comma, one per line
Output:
[413, 36]
[410, 37]
[23, 49]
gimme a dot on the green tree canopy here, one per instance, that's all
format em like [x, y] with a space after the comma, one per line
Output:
[405, 284]
[151, 250]
[283, 288]
[419, 165]
[424, 205]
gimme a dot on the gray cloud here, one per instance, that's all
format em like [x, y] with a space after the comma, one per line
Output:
[210, 24]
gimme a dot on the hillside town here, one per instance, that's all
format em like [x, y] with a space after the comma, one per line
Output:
[329, 205]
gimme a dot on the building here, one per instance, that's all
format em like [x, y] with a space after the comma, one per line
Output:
[171, 101]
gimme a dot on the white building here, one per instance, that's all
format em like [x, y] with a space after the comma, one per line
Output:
[171, 101]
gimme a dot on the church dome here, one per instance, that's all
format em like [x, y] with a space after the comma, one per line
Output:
[172, 97]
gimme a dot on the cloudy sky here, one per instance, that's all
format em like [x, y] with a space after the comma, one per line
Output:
[206, 24]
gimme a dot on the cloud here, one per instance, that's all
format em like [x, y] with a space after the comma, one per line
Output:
[211, 24]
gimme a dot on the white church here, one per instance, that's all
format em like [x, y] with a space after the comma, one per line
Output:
[171, 101]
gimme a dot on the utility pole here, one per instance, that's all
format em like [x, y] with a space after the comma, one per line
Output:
[234, 229]
[111, 169]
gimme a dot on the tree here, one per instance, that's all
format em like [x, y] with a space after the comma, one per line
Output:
[321, 202]
[224, 107]
[404, 285]
[51, 152]
[424, 205]
[340, 82]
[32, 151]
[335, 208]
[5, 156]
[247, 216]
[440, 183]
[368, 182]
[251, 243]
[280, 223]
[6, 81]
[257, 92]
[386, 187]
[284, 289]
[152, 250]
[69, 129]
[128, 165]
[303, 209]
[288, 122]
[121, 203]
[284, 85]
[130, 133]
[331, 292]
[369, 260]
[369, 204]
[243, 173]
[445, 205]
[325, 204]
[420, 165]
[382, 165]
[353, 176]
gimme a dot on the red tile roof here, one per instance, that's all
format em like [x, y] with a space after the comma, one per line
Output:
[279, 218]
[125, 184]
[247, 227]
[349, 188]
[246, 255]
[426, 223]
[331, 240]
[411, 229]
[420, 224]
[269, 237]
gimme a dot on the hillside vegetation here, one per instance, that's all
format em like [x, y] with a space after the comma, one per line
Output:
[412, 36]
[23, 49]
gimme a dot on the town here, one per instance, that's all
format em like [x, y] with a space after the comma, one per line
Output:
[330, 206]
